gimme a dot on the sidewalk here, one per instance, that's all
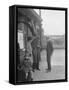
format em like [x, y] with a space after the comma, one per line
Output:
[57, 72]
[58, 67]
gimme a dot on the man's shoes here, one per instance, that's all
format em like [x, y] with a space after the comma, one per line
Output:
[38, 69]
[31, 79]
[33, 70]
[48, 70]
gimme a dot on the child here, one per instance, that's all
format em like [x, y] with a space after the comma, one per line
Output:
[27, 67]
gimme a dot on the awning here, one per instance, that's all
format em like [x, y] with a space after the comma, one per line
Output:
[30, 13]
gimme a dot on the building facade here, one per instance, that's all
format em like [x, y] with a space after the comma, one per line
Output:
[29, 25]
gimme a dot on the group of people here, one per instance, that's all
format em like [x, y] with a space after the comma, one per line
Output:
[31, 57]
[31, 60]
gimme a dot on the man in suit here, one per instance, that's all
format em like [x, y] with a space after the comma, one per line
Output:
[49, 54]
[38, 53]
[34, 52]
[20, 74]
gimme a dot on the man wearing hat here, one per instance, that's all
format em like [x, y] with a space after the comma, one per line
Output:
[49, 54]
[38, 53]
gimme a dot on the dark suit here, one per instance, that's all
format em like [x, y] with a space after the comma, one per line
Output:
[20, 74]
[38, 53]
[34, 52]
[17, 62]
[49, 54]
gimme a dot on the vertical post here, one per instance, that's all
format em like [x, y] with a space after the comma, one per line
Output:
[40, 27]
[40, 12]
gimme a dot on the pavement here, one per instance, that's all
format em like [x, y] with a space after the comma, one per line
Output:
[57, 72]
[58, 67]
